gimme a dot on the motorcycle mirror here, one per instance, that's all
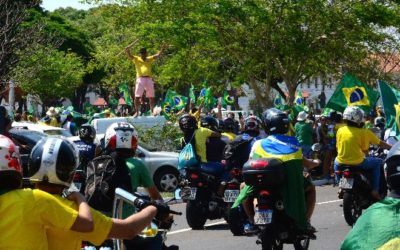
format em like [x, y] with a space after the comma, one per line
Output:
[316, 147]
[178, 194]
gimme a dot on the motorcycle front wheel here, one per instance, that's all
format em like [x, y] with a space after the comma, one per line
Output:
[196, 214]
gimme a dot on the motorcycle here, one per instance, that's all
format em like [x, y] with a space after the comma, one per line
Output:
[203, 190]
[355, 190]
[276, 228]
[156, 227]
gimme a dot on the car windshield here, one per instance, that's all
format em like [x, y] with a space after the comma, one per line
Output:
[147, 147]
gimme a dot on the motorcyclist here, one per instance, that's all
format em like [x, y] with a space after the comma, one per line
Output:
[56, 177]
[379, 123]
[229, 129]
[195, 135]
[121, 141]
[286, 148]
[86, 146]
[352, 142]
[378, 228]
[214, 145]
[26, 213]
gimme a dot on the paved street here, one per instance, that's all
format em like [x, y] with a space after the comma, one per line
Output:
[328, 220]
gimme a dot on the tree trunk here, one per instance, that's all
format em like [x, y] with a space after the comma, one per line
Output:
[291, 92]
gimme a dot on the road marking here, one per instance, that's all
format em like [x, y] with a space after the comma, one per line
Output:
[189, 229]
[223, 221]
[326, 202]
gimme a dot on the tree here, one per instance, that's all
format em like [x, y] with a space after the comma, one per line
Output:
[12, 36]
[49, 73]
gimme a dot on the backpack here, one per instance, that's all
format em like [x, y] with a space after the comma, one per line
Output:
[103, 176]
[187, 157]
[236, 152]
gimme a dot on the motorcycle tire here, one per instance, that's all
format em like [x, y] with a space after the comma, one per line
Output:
[268, 240]
[196, 214]
[350, 210]
[302, 244]
[235, 221]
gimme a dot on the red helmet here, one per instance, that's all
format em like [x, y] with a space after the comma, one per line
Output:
[121, 136]
[10, 164]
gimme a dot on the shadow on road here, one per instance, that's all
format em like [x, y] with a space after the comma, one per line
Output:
[217, 227]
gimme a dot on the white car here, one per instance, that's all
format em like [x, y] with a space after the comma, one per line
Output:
[49, 130]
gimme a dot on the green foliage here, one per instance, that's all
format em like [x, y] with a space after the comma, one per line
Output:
[50, 73]
[164, 138]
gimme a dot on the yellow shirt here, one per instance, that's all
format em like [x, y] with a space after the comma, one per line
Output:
[143, 68]
[200, 137]
[24, 215]
[231, 136]
[352, 142]
[69, 240]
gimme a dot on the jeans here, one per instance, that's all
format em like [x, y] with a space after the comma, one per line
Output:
[306, 149]
[370, 163]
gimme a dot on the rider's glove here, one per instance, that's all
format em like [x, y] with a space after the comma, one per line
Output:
[162, 209]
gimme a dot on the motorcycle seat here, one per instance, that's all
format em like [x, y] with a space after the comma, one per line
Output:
[213, 168]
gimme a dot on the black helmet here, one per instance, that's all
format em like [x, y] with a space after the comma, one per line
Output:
[379, 121]
[229, 124]
[209, 122]
[275, 121]
[252, 123]
[187, 123]
[392, 166]
[53, 160]
[87, 133]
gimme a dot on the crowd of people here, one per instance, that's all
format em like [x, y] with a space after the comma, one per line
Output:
[341, 138]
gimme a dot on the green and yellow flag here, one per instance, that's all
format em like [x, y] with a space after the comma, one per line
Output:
[192, 96]
[125, 93]
[298, 100]
[352, 92]
[227, 99]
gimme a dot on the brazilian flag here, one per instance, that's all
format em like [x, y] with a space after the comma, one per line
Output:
[125, 93]
[166, 110]
[298, 100]
[192, 96]
[352, 92]
[278, 101]
[227, 99]
[179, 101]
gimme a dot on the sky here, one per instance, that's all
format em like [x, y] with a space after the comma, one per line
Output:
[51, 5]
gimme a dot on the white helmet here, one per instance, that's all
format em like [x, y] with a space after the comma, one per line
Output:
[10, 164]
[353, 114]
[121, 135]
[53, 160]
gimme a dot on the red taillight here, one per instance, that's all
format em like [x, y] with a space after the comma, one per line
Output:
[77, 177]
[235, 172]
[264, 206]
[346, 174]
[194, 176]
[259, 164]
[232, 186]
[264, 193]
[200, 184]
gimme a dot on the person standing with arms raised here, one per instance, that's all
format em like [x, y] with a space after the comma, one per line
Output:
[144, 80]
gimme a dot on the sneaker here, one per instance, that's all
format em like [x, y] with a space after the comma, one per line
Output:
[249, 228]
[310, 228]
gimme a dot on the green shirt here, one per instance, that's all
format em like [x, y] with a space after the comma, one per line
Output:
[304, 133]
[140, 177]
[379, 224]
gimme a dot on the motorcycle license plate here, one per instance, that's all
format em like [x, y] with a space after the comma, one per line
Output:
[189, 193]
[346, 183]
[231, 195]
[263, 217]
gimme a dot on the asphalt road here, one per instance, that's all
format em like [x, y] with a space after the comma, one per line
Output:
[327, 219]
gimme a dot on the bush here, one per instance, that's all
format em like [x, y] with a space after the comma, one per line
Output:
[163, 138]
